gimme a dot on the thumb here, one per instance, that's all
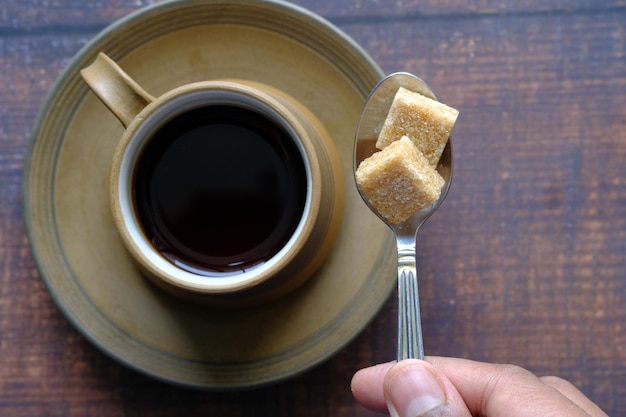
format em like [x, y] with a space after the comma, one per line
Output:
[415, 388]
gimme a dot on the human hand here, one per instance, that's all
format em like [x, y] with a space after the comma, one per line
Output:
[448, 387]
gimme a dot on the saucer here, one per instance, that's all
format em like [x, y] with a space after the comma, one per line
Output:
[82, 261]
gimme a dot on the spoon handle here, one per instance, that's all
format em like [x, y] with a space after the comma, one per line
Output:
[410, 344]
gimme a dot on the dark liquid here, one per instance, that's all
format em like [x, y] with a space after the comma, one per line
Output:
[220, 189]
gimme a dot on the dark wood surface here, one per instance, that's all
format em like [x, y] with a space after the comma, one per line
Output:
[524, 263]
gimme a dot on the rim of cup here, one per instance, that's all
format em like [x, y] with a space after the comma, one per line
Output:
[150, 120]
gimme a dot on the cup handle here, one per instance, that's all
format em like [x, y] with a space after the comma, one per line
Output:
[120, 93]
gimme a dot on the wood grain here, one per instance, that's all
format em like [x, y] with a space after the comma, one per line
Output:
[525, 262]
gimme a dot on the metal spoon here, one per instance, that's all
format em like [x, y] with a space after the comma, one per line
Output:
[410, 344]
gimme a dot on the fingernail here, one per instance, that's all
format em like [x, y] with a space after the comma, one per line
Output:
[413, 392]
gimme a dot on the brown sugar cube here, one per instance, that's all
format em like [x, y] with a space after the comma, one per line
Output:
[398, 181]
[426, 122]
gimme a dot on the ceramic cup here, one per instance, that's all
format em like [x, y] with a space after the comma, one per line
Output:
[228, 192]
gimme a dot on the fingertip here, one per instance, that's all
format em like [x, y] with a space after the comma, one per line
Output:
[367, 387]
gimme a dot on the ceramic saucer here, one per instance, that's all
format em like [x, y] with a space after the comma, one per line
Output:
[80, 257]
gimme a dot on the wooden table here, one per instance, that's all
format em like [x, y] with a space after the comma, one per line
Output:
[525, 262]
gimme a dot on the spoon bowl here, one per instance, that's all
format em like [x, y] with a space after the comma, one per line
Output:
[377, 105]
